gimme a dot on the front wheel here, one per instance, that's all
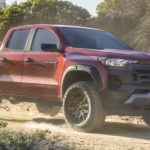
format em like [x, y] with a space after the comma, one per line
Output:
[83, 108]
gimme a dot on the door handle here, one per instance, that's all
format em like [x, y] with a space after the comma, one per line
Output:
[3, 59]
[51, 62]
[29, 60]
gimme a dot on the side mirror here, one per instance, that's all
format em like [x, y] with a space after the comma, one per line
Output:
[49, 47]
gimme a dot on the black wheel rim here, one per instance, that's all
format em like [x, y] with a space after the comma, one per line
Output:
[77, 106]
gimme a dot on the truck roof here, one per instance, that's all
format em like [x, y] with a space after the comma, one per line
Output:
[50, 25]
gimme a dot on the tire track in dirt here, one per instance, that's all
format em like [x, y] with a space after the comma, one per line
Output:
[118, 132]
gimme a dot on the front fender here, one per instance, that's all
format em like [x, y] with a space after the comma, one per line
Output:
[92, 71]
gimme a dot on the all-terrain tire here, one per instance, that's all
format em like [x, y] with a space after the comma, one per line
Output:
[48, 108]
[94, 120]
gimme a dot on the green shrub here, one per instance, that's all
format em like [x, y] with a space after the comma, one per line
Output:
[3, 124]
[20, 141]
[37, 140]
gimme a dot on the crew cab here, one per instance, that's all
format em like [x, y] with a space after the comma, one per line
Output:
[88, 72]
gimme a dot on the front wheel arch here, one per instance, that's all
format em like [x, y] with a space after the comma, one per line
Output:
[77, 73]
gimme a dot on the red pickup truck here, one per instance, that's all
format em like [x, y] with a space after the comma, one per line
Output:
[89, 72]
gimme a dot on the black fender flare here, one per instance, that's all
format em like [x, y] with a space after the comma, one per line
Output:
[92, 71]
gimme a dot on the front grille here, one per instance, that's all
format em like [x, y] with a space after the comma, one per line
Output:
[136, 75]
[142, 76]
[144, 63]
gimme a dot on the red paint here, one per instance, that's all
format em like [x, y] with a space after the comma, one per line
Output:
[44, 80]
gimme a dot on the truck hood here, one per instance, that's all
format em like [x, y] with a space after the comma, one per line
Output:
[128, 54]
[111, 53]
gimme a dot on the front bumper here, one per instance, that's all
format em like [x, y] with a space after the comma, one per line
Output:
[130, 85]
[139, 99]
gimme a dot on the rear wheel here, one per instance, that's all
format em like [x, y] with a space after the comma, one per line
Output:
[83, 107]
[48, 108]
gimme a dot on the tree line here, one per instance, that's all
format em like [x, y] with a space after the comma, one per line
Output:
[41, 11]
[48, 12]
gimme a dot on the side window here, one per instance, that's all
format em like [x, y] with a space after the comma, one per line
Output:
[43, 36]
[18, 39]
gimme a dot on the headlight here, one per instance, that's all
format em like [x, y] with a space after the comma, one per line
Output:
[114, 62]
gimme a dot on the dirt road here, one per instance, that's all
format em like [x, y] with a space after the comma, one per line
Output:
[118, 133]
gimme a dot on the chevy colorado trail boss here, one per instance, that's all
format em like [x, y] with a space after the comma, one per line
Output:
[89, 72]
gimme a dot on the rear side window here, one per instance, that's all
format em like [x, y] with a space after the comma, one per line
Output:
[43, 36]
[18, 39]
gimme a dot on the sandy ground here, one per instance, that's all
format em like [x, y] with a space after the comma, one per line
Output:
[119, 133]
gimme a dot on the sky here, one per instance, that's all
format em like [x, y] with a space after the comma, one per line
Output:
[90, 5]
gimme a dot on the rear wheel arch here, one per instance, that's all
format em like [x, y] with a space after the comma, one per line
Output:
[77, 73]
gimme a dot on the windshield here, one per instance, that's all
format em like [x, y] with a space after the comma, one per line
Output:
[92, 39]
